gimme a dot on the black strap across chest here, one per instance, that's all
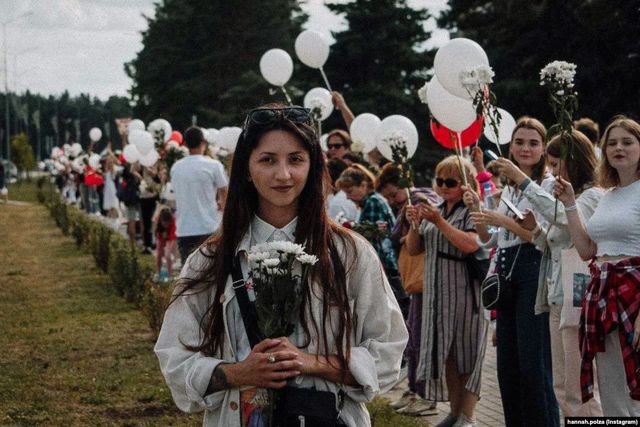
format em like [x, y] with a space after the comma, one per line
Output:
[247, 309]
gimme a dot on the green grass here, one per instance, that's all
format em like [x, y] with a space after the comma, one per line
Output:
[23, 191]
[74, 352]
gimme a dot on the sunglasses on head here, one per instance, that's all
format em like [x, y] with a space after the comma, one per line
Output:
[266, 116]
[449, 182]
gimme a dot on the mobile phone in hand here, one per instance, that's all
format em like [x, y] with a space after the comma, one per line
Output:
[513, 208]
[490, 155]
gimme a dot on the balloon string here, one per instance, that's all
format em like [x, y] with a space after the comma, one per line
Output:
[326, 80]
[458, 156]
[286, 94]
[413, 224]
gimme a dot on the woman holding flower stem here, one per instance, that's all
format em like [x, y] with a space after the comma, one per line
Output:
[524, 358]
[349, 336]
[610, 321]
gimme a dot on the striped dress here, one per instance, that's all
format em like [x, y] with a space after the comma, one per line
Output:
[452, 319]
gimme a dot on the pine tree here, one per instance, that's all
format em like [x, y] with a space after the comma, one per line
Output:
[201, 57]
[380, 62]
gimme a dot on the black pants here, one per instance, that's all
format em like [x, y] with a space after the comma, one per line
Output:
[147, 208]
[187, 244]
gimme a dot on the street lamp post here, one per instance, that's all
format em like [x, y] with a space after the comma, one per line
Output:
[7, 118]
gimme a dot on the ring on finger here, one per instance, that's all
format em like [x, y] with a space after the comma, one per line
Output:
[271, 358]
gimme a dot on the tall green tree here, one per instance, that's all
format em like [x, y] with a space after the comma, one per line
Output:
[380, 61]
[520, 37]
[201, 57]
[22, 153]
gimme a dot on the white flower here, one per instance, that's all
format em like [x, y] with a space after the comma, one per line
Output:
[357, 146]
[286, 247]
[473, 79]
[271, 262]
[395, 138]
[560, 72]
[258, 256]
[172, 144]
[560, 92]
[422, 93]
[307, 259]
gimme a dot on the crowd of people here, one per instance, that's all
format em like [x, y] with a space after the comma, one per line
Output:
[545, 218]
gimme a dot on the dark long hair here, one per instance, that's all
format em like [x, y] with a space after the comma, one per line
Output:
[581, 163]
[314, 230]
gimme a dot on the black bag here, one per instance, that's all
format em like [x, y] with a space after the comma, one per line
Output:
[306, 407]
[478, 268]
[496, 291]
[294, 406]
[129, 191]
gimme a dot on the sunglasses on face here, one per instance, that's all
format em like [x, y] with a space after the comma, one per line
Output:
[266, 116]
[336, 146]
[449, 182]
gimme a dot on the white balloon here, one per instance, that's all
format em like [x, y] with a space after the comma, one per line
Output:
[455, 56]
[276, 67]
[212, 135]
[95, 134]
[76, 149]
[94, 161]
[363, 129]
[142, 140]
[507, 125]
[136, 124]
[56, 152]
[455, 113]
[67, 149]
[396, 128]
[131, 153]
[172, 145]
[312, 48]
[160, 125]
[319, 98]
[228, 138]
[78, 164]
[149, 159]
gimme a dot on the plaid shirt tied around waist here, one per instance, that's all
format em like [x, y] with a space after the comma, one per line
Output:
[612, 300]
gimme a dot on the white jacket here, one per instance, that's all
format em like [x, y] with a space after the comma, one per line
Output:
[378, 340]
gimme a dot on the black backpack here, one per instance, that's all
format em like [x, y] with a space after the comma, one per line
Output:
[129, 190]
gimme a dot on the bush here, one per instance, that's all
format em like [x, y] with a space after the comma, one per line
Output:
[80, 226]
[154, 303]
[99, 237]
[127, 275]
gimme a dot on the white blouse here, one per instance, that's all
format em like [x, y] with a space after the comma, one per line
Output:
[615, 225]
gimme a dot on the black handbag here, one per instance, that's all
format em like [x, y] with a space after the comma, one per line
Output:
[294, 406]
[496, 291]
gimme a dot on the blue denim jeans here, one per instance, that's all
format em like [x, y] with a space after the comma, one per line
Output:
[524, 350]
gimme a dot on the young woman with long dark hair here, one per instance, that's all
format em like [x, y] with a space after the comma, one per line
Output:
[350, 336]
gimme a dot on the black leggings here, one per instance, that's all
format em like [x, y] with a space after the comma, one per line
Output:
[147, 208]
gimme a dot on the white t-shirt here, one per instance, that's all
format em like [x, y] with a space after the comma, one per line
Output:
[338, 204]
[195, 180]
[615, 224]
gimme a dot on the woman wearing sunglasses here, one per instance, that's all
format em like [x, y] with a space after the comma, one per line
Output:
[350, 335]
[453, 328]
[523, 350]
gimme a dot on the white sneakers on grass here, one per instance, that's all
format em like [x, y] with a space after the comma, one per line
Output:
[413, 405]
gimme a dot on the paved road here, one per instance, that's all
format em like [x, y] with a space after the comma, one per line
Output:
[489, 408]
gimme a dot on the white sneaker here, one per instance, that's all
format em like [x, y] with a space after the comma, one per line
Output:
[463, 421]
[407, 397]
[419, 407]
[449, 421]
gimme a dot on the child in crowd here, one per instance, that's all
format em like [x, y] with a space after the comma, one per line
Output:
[165, 241]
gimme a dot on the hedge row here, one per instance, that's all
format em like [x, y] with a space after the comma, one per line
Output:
[114, 254]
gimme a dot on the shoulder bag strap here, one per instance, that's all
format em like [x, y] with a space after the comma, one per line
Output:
[247, 310]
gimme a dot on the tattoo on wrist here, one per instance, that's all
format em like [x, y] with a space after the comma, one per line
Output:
[218, 380]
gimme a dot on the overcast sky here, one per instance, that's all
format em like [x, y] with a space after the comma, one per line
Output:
[81, 45]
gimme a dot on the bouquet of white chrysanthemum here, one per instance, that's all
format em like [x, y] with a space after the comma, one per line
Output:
[279, 272]
[558, 77]
[476, 81]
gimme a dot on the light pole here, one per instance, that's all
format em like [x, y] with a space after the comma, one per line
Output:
[6, 80]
